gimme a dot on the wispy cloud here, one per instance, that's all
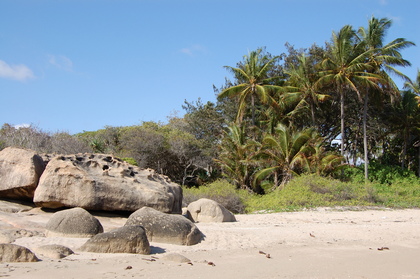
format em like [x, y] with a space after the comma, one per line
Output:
[383, 2]
[15, 72]
[23, 125]
[61, 62]
[193, 50]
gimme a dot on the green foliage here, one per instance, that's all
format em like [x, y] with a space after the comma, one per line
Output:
[221, 191]
[380, 173]
[308, 191]
[235, 158]
[130, 160]
[401, 193]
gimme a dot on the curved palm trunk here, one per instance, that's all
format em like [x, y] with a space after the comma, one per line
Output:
[365, 144]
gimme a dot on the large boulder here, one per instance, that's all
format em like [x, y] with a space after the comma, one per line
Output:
[166, 228]
[103, 182]
[127, 239]
[20, 170]
[16, 253]
[206, 210]
[75, 222]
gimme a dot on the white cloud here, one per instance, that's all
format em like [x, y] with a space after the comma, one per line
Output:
[61, 62]
[23, 125]
[16, 72]
[194, 49]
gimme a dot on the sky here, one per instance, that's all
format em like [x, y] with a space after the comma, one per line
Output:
[80, 65]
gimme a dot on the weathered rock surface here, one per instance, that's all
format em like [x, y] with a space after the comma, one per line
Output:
[14, 206]
[16, 253]
[75, 222]
[53, 251]
[127, 239]
[20, 171]
[10, 235]
[103, 182]
[166, 228]
[206, 210]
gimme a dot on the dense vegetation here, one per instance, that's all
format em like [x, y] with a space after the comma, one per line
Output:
[320, 126]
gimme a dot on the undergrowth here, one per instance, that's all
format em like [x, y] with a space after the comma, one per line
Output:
[310, 191]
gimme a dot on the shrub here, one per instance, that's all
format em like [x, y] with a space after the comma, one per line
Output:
[308, 191]
[130, 160]
[220, 191]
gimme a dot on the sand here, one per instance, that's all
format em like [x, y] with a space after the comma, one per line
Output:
[321, 243]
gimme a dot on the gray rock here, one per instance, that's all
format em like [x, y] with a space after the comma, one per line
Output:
[53, 251]
[16, 253]
[75, 222]
[127, 239]
[166, 228]
[20, 170]
[206, 210]
[103, 182]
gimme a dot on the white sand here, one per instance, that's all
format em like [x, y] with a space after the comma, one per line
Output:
[322, 243]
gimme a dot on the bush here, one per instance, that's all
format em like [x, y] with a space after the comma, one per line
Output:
[308, 191]
[220, 191]
[130, 160]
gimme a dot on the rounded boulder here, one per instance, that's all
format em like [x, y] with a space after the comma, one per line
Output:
[75, 222]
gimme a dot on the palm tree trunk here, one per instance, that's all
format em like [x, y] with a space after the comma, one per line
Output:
[365, 144]
[404, 151]
[253, 109]
[313, 114]
[342, 121]
[342, 126]
[419, 161]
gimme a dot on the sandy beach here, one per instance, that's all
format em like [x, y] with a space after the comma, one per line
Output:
[321, 243]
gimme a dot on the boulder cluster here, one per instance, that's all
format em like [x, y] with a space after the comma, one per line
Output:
[81, 182]
[89, 181]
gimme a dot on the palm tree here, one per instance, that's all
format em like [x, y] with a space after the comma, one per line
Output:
[285, 152]
[407, 113]
[323, 162]
[346, 69]
[383, 59]
[302, 84]
[414, 86]
[254, 82]
[235, 157]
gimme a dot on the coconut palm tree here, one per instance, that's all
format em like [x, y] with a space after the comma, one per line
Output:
[346, 69]
[414, 86]
[285, 152]
[383, 59]
[235, 157]
[302, 86]
[254, 82]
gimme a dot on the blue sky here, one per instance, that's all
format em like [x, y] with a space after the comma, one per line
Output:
[70, 65]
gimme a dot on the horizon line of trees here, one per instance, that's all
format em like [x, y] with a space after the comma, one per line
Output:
[314, 110]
